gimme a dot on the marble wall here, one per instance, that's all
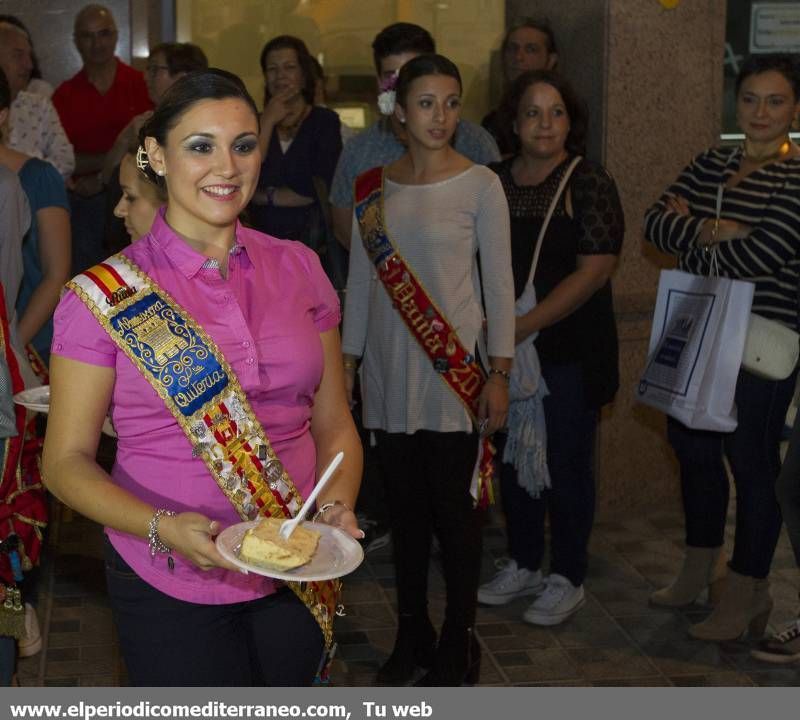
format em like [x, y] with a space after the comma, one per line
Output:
[656, 77]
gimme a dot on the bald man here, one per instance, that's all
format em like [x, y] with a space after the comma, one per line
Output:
[94, 106]
[98, 102]
[34, 126]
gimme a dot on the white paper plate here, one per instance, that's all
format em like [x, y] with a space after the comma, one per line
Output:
[38, 400]
[337, 554]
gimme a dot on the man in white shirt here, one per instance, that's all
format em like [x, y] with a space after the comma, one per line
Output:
[34, 125]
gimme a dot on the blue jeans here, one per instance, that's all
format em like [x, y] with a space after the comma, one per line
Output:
[570, 502]
[753, 453]
[273, 641]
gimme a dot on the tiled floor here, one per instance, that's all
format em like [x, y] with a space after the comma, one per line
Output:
[617, 639]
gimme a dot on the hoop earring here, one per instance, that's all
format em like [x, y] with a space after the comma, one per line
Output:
[142, 159]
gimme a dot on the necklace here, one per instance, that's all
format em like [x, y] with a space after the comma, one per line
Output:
[289, 131]
[784, 149]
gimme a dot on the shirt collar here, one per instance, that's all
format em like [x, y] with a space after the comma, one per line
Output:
[184, 257]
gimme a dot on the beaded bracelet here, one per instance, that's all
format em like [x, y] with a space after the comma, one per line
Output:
[154, 541]
[502, 373]
[327, 506]
[350, 364]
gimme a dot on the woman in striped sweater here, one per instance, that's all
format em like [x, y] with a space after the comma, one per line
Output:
[757, 239]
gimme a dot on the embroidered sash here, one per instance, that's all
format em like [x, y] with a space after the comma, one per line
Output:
[200, 389]
[457, 367]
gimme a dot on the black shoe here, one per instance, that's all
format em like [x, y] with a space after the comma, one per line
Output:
[457, 662]
[414, 649]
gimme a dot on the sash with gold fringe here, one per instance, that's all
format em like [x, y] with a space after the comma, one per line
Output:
[457, 367]
[200, 389]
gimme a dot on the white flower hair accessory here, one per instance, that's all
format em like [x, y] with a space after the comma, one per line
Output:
[387, 95]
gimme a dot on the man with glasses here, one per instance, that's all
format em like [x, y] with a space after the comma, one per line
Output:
[94, 106]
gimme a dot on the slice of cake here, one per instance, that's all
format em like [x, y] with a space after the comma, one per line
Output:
[262, 545]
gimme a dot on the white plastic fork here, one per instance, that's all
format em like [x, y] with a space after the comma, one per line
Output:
[287, 528]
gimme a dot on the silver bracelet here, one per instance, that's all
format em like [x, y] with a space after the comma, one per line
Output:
[327, 506]
[154, 541]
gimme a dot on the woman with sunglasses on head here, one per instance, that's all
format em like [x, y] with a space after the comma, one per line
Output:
[414, 317]
[217, 351]
[754, 237]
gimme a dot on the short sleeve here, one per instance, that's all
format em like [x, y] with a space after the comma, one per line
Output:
[45, 185]
[341, 195]
[598, 210]
[78, 335]
[327, 312]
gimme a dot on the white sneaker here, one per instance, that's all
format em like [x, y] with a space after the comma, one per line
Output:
[511, 582]
[559, 600]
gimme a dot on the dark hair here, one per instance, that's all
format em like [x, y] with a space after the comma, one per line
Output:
[5, 92]
[401, 38]
[576, 108]
[783, 63]
[540, 24]
[181, 57]
[192, 88]
[421, 66]
[16, 22]
[304, 59]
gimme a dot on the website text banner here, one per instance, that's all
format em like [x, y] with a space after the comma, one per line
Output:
[508, 703]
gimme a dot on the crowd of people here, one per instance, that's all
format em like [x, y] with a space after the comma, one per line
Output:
[210, 236]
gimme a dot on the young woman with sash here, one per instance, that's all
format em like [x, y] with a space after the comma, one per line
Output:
[217, 351]
[414, 315]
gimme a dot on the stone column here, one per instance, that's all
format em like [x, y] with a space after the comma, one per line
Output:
[656, 81]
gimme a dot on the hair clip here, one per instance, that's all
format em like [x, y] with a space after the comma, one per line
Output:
[142, 160]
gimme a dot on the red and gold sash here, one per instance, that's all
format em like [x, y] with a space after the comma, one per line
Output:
[23, 508]
[457, 367]
[201, 390]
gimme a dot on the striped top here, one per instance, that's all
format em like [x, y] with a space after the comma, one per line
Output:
[768, 200]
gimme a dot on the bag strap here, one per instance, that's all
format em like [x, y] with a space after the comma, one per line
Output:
[540, 240]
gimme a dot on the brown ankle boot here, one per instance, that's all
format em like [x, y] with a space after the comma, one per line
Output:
[745, 605]
[702, 568]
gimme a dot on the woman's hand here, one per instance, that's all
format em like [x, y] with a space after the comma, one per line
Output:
[493, 404]
[727, 230]
[190, 534]
[676, 204]
[279, 106]
[342, 517]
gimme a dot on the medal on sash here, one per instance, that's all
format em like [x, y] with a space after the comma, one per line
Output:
[457, 367]
[198, 386]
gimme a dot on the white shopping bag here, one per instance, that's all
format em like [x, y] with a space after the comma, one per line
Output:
[696, 347]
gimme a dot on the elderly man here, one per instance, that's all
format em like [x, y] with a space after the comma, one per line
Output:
[94, 106]
[34, 127]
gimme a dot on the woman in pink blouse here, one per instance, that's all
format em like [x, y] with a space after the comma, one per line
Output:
[186, 616]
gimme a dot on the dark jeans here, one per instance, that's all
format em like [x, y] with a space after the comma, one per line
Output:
[8, 659]
[427, 477]
[753, 453]
[273, 641]
[787, 488]
[570, 502]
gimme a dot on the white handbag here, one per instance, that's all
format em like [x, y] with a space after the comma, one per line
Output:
[771, 350]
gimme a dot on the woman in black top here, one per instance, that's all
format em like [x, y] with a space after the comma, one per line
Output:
[300, 145]
[756, 239]
[577, 338]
